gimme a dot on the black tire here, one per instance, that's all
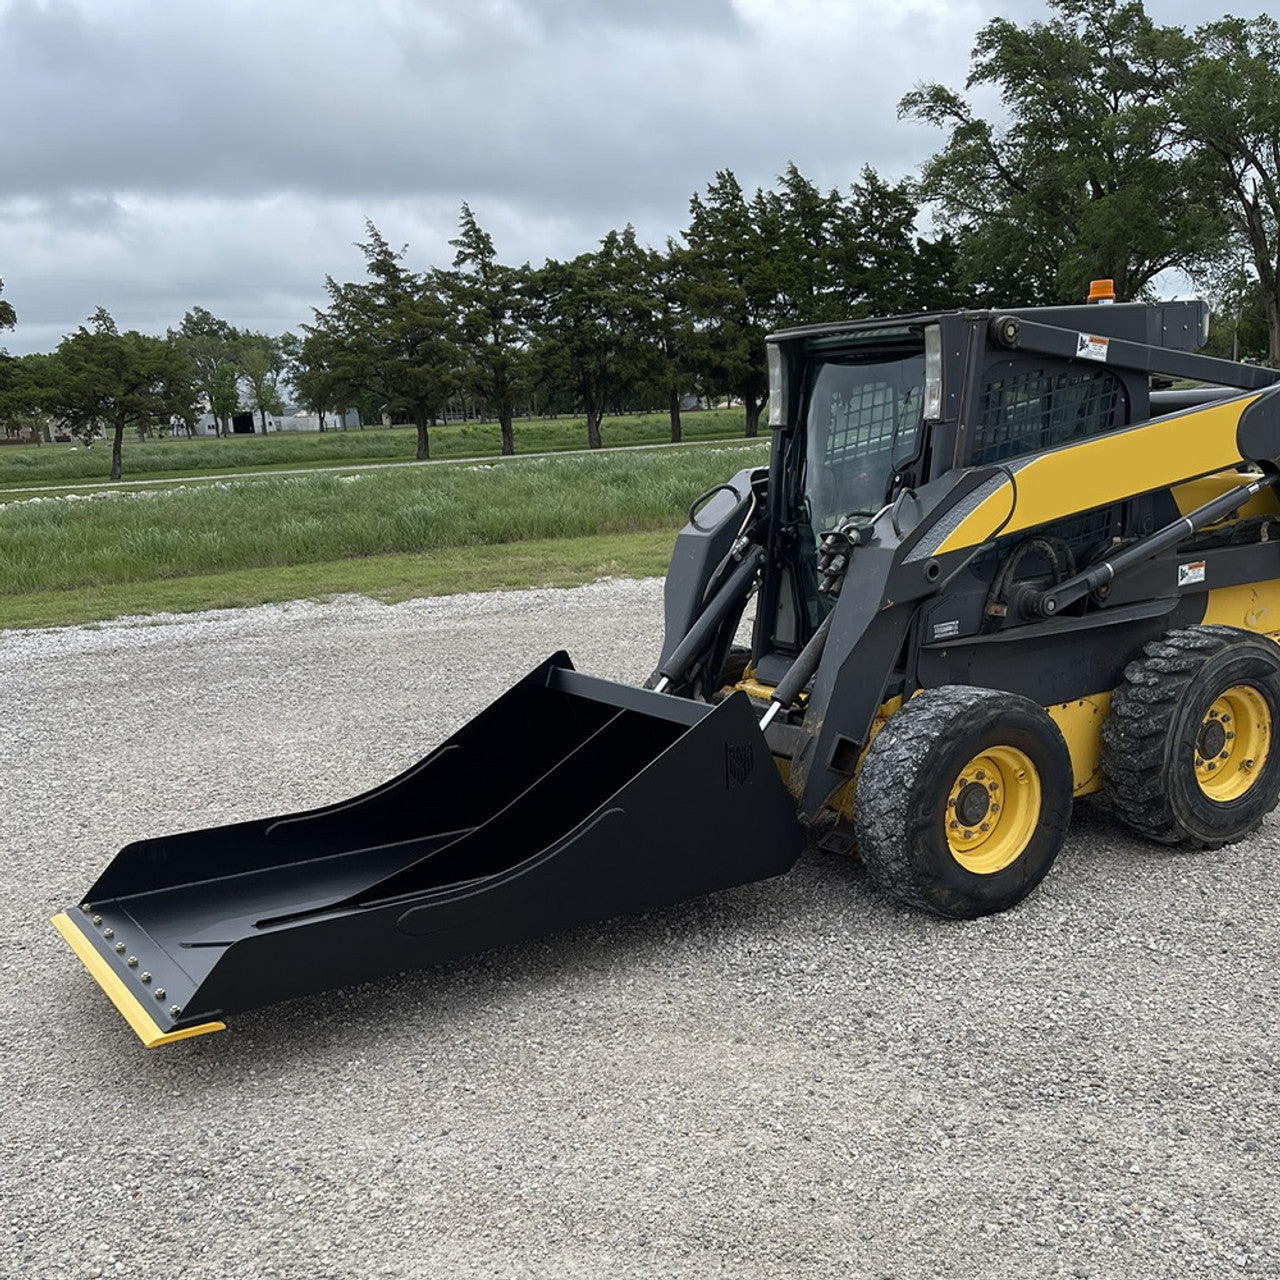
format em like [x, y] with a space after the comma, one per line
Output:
[1163, 716]
[913, 787]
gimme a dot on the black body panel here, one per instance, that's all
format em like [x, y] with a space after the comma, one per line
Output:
[700, 549]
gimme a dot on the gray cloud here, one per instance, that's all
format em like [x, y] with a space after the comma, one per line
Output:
[156, 155]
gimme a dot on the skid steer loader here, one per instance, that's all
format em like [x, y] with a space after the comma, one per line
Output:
[994, 570]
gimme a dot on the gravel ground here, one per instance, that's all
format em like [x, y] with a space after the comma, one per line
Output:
[794, 1079]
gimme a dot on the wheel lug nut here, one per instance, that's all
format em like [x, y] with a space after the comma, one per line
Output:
[995, 808]
[968, 835]
[980, 775]
[986, 826]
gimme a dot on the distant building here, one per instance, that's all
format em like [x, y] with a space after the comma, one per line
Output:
[292, 419]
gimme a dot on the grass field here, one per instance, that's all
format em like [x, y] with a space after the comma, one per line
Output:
[390, 534]
[52, 464]
[554, 562]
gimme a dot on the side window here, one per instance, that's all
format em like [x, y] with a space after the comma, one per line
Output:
[864, 416]
[1026, 408]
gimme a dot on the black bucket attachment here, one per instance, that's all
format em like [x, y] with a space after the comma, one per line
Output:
[569, 800]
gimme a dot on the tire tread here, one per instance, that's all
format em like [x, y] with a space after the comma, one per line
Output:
[1138, 735]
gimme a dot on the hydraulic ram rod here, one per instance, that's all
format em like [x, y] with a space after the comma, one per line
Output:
[733, 593]
[798, 674]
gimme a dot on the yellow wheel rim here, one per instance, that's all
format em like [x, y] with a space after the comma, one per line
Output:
[993, 810]
[1232, 743]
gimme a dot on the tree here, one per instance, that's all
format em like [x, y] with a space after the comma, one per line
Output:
[595, 325]
[799, 232]
[732, 292]
[8, 372]
[675, 330]
[1229, 111]
[492, 307]
[223, 394]
[1237, 319]
[320, 380]
[882, 266]
[210, 344]
[312, 382]
[1087, 178]
[25, 385]
[393, 335]
[263, 361]
[111, 381]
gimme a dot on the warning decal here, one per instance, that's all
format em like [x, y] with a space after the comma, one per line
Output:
[1090, 347]
[1189, 573]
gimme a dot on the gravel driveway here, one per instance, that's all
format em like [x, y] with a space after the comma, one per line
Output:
[795, 1079]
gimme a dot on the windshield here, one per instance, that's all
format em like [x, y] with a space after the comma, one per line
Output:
[864, 415]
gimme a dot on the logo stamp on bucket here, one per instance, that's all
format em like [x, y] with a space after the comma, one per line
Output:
[739, 763]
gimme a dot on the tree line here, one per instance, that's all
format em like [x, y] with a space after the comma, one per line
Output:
[1124, 149]
[623, 325]
[101, 381]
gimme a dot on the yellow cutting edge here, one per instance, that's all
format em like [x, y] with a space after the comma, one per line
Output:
[135, 1013]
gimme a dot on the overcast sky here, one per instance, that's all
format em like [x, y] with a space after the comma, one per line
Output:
[159, 154]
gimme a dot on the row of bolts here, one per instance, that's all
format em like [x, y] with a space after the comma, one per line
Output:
[132, 961]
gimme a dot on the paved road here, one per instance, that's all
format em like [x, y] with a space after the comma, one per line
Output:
[795, 1079]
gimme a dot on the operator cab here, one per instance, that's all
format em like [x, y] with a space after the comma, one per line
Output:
[862, 412]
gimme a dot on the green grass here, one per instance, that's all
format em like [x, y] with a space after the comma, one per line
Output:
[273, 538]
[49, 464]
[558, 562]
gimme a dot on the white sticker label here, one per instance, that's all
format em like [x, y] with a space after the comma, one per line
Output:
[1090, 347]
[1189, 573]
[945, 630]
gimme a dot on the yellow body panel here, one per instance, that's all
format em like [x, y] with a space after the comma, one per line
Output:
[1103, 469]
[1255, 606]
[1080, 723]
[1196, 493]
[133, 1010]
